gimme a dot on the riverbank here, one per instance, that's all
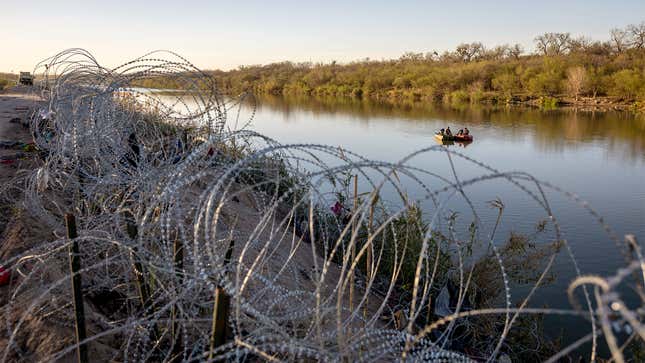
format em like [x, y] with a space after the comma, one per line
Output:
[591, 76]
[586, 103]
[315, 258]
[16, 106]
[35, 205]
[598, 103]
[294, 262]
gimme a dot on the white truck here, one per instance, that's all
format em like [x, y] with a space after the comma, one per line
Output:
[26, 78]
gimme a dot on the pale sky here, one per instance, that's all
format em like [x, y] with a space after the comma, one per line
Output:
[226, 34]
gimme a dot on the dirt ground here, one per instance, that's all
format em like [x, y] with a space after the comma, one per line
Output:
[40, 336]
[16, 106]
[18, 231]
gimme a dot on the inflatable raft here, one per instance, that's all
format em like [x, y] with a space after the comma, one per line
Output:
[462, 138]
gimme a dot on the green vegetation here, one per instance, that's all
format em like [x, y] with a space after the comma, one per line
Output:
[402, 243]
[7, 80]
[563, 70]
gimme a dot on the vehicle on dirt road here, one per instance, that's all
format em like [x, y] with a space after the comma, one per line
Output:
[26, 78]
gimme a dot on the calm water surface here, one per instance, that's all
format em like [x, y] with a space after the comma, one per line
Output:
[600, 156]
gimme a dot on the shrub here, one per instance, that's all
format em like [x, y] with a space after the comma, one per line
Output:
[549, 102]
[507, 83]
[546, 83]
[627, 84]
[402, 242]
[459, 96]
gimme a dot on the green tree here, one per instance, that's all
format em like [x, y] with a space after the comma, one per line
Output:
[596, 80]
[507, 83]
[545, 83]
[627, 84]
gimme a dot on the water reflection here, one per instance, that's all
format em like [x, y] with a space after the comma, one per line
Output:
[600, 156]
[448, 143]
[622, 132]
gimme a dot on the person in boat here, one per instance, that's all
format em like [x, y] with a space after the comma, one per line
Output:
[448, 132]
[442, 132]
[466, 131]
[460, 132]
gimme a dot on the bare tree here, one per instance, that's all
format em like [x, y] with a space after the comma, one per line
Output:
[432, 56]
[542, 44]
[553, 43]
[619, 40]
[411, 57]
[637, 35]
[580, 44]
[448, 57]
[463, 52]
[515, 51]
[576, 81]
[470, 52]
[599, 48]
[560, 42]
[497, 53]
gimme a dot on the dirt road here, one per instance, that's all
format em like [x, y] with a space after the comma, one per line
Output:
[16, 106]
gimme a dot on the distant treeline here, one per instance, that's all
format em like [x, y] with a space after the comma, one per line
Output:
[562, 67]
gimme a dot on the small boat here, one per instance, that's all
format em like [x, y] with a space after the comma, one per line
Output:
[462, 138]
[444, 142]
[441, 137]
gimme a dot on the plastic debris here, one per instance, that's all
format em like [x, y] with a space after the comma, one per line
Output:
[337, 209]
[442, 306]
[4, 276]
[45, 114]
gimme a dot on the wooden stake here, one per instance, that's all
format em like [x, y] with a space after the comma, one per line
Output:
[140, 274]
[368, 258]
[353, 248]
[178, 252]
[75, 267]
[221, 305]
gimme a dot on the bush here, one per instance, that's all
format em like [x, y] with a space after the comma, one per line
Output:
[4, 84]
[459, 96]
[402, 242]
[402, 82]
[547, 82]
[507, 83]
[549, 102]
[628, 84]
[488, 76]
[476, 96]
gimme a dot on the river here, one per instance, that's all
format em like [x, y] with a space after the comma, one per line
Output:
[598, 155]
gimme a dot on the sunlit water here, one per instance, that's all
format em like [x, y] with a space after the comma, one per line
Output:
[600, 156]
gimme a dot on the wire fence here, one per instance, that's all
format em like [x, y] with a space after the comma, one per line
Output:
[201, 240]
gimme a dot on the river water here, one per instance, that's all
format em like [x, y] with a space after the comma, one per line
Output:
[599, 156]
